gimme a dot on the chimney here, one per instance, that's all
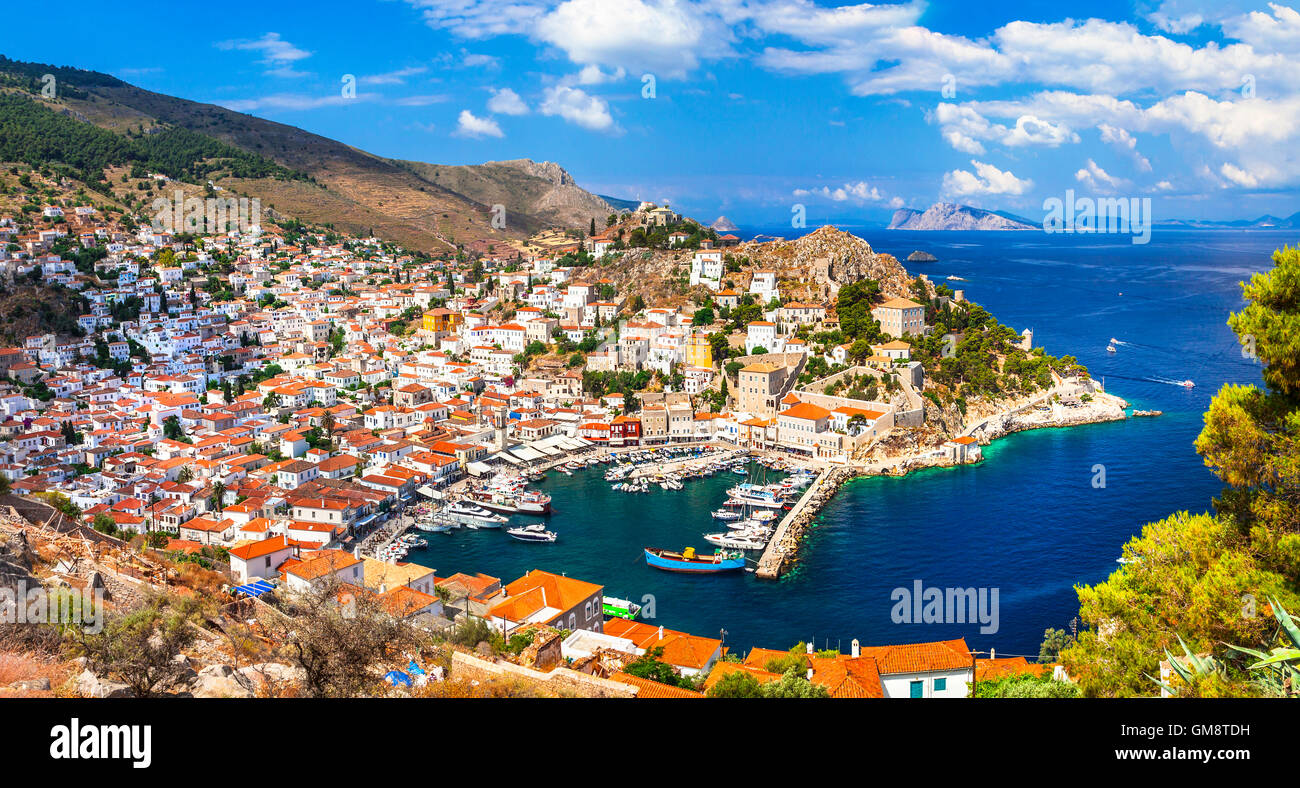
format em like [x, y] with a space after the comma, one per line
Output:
[356, 552]
[810, 674]
[856, 649]
[661, 631]
[383, 588]
[993, 653]
[809, 647]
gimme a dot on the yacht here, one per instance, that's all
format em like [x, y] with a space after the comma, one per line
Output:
[473, 516]
[532, 533]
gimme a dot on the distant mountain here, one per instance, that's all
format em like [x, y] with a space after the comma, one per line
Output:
[950, 216]
[622, 205]
[723, 225]
[1265, 222]
[98, 121]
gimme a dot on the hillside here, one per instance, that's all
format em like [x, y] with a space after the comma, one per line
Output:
[294, 172]
[949, 216]
[537, 191]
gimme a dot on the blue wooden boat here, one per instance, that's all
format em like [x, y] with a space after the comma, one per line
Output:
[688, 561]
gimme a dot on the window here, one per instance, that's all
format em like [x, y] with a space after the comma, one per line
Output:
[940, 685]
[918, 689]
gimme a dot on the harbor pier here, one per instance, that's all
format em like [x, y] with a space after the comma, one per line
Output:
[781, 550]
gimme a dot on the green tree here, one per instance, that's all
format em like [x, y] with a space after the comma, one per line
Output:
[1196, 575]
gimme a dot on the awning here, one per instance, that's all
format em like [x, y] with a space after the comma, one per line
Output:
[477, 469]
[526, 454]
[508, 457]
[255, 589]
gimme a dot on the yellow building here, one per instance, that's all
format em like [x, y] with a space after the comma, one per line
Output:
[441, 321]
[699, 353]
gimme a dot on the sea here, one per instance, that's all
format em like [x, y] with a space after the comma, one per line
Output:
[1046, 511]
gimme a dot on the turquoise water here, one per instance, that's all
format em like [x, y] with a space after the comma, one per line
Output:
[1028, 521]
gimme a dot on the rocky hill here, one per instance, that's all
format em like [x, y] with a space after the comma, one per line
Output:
[541, 191]
[825, 260]
[950, 216]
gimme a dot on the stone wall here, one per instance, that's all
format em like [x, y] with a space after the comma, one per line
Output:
[561, 680]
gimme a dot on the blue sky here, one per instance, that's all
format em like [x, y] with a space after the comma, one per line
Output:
[851, 110]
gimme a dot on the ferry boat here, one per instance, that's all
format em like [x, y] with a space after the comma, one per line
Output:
[473, 516]
[687, 561]
[532, 533]
[620, 608]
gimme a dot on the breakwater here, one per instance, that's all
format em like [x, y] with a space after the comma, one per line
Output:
[783, 549]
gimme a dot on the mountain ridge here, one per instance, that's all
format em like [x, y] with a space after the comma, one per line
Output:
[951, 216]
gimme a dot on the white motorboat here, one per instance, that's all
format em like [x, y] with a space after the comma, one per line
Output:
[725, 515]
[736, 541]
[532, 533]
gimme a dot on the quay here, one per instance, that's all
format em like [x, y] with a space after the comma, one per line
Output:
[784, 545]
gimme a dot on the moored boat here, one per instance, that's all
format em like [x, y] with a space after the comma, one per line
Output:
[687, 561]
[620, 608]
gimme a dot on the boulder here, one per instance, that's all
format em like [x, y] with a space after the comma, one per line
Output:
[91, 686]
[31, 684]
[221, 683]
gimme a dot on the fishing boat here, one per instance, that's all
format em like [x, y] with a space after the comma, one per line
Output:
[688, 562]
[724, 515]
[473, 515]
[763, 516]
[620, 608]
[532, 533]
[1110, 348]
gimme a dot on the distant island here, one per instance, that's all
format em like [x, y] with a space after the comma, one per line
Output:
[921, 257]
[723, 225]
[950, 216]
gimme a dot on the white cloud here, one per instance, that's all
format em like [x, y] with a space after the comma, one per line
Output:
[860, 192]
[578, 107]
[987, 179]
[480, 18]
[506, 102]
[1125, 143]
[1238, 176]
[392, 77]
[470, 125]
[1093, 176]
[277, 54]
[293, 101]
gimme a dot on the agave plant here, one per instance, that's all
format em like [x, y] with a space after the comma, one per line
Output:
[1278, 671]
[1188, 668]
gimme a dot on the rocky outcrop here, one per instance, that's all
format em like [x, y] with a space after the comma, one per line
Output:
[827, 259]
[950, 216]
[921, 257]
